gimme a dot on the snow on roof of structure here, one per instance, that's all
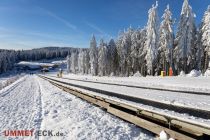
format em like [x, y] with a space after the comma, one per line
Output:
[59, 62]
[34, 64]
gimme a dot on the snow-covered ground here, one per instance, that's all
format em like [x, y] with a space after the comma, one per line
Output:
[176, 98]
[7, 80]
[33, 103]
[200, 84]
[172, 114]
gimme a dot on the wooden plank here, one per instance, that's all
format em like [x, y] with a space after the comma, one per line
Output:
[196, 130]
[147, 125]
[154, 116]
[122, 105]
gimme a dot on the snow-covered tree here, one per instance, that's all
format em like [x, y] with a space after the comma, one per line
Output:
[102, 58]
[151, 45]
[93, 56]
[112, 58]
[74, 62]
[200, 49]
[135, 46]
[166, 41]
[142, 51]
[81, 62]
[86, 62]
[124, 47]
[4, 62]
[205, 36]
[184, 52]
[68, 63]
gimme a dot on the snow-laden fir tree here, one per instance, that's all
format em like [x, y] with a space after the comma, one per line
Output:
[81, 62]
[102, 58]
[74, 62]
[93, 57]
[142, 52]
[166, 41]
[4, 62]
[205, 36]
[119, 43]
[135, 46]
[200, 49]
[184, 52]
[86, 62]
[151, 45]
[112, 58]
[124, 47]
[129, 57]
[68, 61]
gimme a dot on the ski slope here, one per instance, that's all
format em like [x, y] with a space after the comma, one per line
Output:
[33, 103]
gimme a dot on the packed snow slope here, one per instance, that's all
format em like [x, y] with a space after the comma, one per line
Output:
[186, 82]
[33, 103]
[196, 101]
[176, 98]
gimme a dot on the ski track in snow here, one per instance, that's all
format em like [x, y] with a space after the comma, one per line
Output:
[33, 103]
[20, 108]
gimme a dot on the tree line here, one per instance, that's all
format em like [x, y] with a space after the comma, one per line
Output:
[149, 50]
[8, 58]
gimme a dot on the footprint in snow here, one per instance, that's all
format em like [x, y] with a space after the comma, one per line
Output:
[54, 116]
[55, 111]
[69, 100]
[46, 112]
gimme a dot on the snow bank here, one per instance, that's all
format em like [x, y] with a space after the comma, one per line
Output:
[137, 74]
[182, 73]
[194, 73]
[112, 74]
[207, 73]
[163, 135]
[8, 81]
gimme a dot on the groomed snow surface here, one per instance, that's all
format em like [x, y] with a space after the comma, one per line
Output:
[33, 103]
[183, 82]
[181, 99]
[176, 98]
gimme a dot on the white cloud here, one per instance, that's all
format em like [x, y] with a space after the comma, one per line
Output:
[101, 34]
[51, 14]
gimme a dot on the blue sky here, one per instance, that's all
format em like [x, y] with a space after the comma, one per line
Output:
[26, 24]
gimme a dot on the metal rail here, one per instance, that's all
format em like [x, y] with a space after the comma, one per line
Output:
[152, 121]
